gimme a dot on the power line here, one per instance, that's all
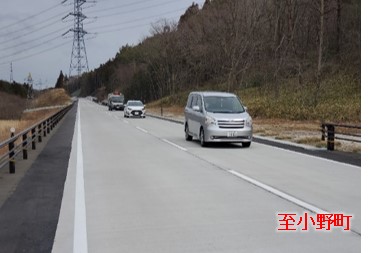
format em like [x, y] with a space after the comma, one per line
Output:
[139, 19]
[135, 10]
[30, 32]
[57, 17]
[32, 40]
[78, 31]
[127, 28]
[119, 6]
[34, 54]
[54, 38]
[29, 17]
[27, 49]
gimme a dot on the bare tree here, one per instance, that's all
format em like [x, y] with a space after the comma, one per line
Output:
[320, 50]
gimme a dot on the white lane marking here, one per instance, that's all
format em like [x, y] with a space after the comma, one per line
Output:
[175, 145]
[80, 235]
[285, 196]
[281, 194]
[142, 129]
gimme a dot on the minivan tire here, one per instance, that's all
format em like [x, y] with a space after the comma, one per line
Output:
[246, 144]
[203, 143]
[188, 137]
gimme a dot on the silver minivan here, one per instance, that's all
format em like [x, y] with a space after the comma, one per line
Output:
[217, 117]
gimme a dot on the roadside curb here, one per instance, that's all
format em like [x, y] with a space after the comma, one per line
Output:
[177, 121]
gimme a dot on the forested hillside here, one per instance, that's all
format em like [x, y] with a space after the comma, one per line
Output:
[276, 54]
[14, 88]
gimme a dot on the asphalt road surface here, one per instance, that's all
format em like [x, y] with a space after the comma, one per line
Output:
[136, 185]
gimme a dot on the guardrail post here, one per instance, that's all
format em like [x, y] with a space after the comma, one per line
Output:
[40, 132]
[24, 146]
[52, 123]
[323, 132]
[44, 127]
[331, 136]
[11, 154]
[48, 126]
[33, 133]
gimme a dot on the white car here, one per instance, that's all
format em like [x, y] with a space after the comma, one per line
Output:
[134, 108]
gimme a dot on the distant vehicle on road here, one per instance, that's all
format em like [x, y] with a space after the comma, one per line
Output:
[134, 108]
[217, 117]
[116, 101]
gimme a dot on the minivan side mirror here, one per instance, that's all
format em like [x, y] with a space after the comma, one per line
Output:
[196, 108]
[245, 108]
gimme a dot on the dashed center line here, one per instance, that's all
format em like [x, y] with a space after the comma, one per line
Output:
[175, 145]
[142, 129]
[281, 194]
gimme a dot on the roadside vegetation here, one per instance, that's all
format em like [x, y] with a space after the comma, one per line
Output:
[289, 61]
[292, 60]
[13, 114]
[339, 101]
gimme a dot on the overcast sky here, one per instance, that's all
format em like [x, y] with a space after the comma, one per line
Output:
[31, 33]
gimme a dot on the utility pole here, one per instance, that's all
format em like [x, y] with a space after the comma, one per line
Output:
[11, 73]
[79, 61]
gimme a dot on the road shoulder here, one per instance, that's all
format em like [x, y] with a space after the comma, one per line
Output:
[29, 217]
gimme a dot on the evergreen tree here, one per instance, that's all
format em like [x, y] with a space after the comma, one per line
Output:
[60, 81]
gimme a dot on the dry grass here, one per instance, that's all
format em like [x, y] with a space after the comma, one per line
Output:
[11, 106]
[50, 97]
[172, 112]
[302, 132]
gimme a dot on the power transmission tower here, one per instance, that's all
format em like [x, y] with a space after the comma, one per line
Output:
[79, 61]
[30, 86]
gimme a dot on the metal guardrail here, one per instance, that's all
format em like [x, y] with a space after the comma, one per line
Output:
[28, 137]
[332, 132]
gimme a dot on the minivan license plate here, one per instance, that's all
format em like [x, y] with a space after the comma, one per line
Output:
[231, 134]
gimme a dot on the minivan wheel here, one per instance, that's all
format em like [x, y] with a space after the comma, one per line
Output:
[203, 143]
[246, 144]
[188, 137]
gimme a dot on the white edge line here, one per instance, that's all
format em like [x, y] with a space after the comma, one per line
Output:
[175, 145]
[80, 235]
[276, 192]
